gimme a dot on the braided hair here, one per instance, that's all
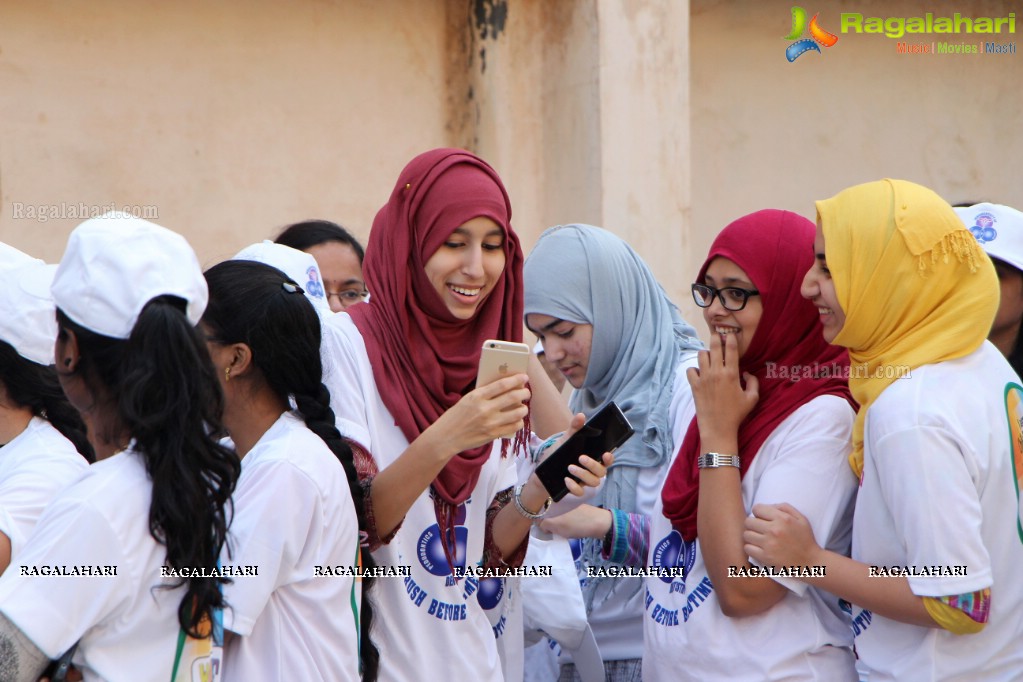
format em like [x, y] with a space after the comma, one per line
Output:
[255, 304]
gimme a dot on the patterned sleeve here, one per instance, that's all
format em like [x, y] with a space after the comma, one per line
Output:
[366, 469]
[961, 614]
[492, 557]
[627, 541]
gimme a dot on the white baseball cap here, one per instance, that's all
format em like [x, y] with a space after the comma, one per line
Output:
[300, 266]
[999, 229]
[11, 257]
[27, 313]
[116, 264]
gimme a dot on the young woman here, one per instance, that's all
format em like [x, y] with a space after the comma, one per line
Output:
[444, 267]
[781, 436]
[608, 327]
[937, 533]
[42, 436]
[339, 256]
[100, 568]
[291, 620]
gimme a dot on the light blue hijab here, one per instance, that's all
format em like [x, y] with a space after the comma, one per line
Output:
[586, 275]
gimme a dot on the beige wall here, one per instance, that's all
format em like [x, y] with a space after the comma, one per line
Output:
[767, 133]
[660, 119]
[231, 118]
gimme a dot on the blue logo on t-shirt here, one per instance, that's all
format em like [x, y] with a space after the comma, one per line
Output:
[674, 552]
[490, 592]
[430, 548]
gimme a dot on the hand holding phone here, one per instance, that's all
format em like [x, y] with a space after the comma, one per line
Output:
[603, 432]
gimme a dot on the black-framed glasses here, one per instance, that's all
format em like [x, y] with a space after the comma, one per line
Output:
[349, 296]
[732, 298]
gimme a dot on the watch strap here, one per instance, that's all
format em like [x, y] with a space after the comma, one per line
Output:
[716, 460]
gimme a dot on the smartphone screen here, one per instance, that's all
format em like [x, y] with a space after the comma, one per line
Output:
[604, 432]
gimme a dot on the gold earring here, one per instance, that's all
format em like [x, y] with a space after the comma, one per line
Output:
[227, 373]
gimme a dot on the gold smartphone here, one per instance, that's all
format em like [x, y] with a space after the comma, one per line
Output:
[500, 359]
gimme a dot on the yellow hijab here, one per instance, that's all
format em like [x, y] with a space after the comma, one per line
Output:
[915, 286]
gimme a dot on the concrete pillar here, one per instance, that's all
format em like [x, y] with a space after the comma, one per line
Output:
[583, 105]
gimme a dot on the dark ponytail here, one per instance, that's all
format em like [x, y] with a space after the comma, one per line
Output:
[161, 384]
[250, 304]
[34, 386]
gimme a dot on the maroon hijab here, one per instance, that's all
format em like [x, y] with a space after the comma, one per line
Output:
[424, 359]
[775, 248]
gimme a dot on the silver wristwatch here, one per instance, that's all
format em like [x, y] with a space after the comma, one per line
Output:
[714, 460]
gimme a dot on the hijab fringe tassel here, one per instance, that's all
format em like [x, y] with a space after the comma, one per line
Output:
[959, 243]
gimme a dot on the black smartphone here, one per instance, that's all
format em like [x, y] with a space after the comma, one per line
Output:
[604, 432]
[57, 670]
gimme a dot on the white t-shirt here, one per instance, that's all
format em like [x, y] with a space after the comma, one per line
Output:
[617, 614]
[36, 465]
[429, 624]
[805, 635]
[99, 524]
[939, 489]
[293, 512]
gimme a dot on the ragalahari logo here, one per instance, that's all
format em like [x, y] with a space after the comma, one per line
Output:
[817, 35]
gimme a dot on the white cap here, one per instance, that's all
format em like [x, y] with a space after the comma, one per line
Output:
[115, 264]
[300, 266]
[999, 229]
[11, 257]
[27, 313]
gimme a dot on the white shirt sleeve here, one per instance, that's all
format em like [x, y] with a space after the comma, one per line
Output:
[55, 611]
[929, 489]
[12, 529]
[23, 497]
[38, 464]
[277, 517]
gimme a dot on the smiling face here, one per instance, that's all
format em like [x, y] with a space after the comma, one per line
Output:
[820, 288]
[722, 273]
[465, 269]
[566, 344]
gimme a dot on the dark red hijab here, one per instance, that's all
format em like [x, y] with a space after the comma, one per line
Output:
[775, 248]
[424, 359]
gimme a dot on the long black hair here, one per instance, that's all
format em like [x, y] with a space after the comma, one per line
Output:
[258, 305]
[36, 387]
[161, 384]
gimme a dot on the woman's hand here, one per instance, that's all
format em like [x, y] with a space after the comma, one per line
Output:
[485, 414]
[721, 401]
[589, 470]
[585, 521]
[778, 535]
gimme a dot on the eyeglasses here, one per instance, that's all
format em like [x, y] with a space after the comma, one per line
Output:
[732, 298]
[349, 296]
